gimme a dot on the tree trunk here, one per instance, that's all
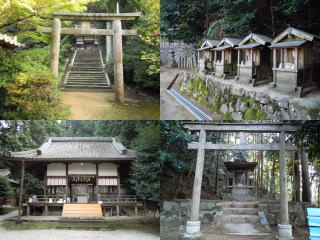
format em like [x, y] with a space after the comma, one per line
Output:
[272, 20]
[306, 191]
[273, 180]
[296, 180]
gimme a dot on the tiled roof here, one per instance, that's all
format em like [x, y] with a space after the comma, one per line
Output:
[76, 148]
[9, 42]
[289, 44]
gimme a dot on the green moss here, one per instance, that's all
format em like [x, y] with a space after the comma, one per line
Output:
[217, 102]
[250, 114]
[233, 99]
[314, 113]
[199, 87]
[228, 116]
[260, 115]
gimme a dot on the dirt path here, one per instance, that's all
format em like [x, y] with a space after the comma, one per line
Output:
[76, 235]
[170, 108]
[101, 106]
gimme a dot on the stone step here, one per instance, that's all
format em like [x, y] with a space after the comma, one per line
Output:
[86, 86]
[86, 75]
[240, 219]
[240, 204]
[90, 85]
[240, 211]
[244, 229]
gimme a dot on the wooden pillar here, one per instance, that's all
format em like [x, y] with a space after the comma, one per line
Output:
[111, 211]
[275, 58]
[284, 215]
[251, 56]
[118, 66]
[196, 194]
[28, 210]
[118, 210]
[55, 46]
[109, 52]
[67, 181]
[97, 182]
[21, 192]
[46, 210]
[296, 57]
[118, 182]
[136, 209]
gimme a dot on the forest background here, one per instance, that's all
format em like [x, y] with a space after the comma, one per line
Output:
[194, 20]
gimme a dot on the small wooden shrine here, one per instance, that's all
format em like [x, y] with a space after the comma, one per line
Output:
[205, 58]
[295, 62]
[225, 57]
[240, 182]
[254, 59]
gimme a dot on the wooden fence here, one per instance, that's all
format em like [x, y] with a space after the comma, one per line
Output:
[187, 61]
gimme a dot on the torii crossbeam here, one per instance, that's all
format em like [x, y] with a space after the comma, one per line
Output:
[85, 18]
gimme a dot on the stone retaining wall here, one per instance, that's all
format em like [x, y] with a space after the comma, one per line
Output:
[180, 49]
[180, 209]
[236, 101]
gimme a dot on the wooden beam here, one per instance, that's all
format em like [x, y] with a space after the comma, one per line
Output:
[261, 147]
[242, 127]
[90, 32]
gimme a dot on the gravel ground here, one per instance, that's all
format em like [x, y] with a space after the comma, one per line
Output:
[76, 235]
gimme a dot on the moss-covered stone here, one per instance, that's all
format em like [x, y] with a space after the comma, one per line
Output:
[228, 116]
[314, 113]
[250, 114]
[260, 115]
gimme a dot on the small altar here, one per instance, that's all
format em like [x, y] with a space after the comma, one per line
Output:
[239, 180]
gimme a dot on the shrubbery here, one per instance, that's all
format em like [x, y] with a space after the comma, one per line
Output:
[5, 188]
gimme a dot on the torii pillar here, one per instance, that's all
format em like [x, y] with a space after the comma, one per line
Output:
[193, 226]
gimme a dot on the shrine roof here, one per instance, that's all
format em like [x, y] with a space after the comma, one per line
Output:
[253, 45]
[288, 44]
[294, 32]
[9, 42]
[262, 39]
[76, 149]
[239, 166]
[221, 48]
[229, 41]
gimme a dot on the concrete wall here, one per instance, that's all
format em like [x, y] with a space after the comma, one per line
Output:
[84, 168]
[108, 170]
[56, 169]
[286, 80]
[245, 74]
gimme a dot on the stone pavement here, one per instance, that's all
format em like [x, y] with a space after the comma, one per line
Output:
[8, 215]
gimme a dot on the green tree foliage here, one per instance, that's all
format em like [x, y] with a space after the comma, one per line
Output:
[5, 188]
[192, 20]
[145, 171]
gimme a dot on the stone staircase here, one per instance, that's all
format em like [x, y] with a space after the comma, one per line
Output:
[243, 218]
[85, 72]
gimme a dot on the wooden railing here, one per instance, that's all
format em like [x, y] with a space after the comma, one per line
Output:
[116, 198]
[48, 199]
[104, 198]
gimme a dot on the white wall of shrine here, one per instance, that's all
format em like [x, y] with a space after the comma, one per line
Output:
[82, 168]
[108, 170]
[104, 169]
[56, 169]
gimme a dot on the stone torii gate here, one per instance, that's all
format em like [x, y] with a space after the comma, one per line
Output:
[86, 18]
[284, 228]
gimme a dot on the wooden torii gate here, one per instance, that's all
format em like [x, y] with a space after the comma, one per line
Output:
[85, 18]
[193, 226]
